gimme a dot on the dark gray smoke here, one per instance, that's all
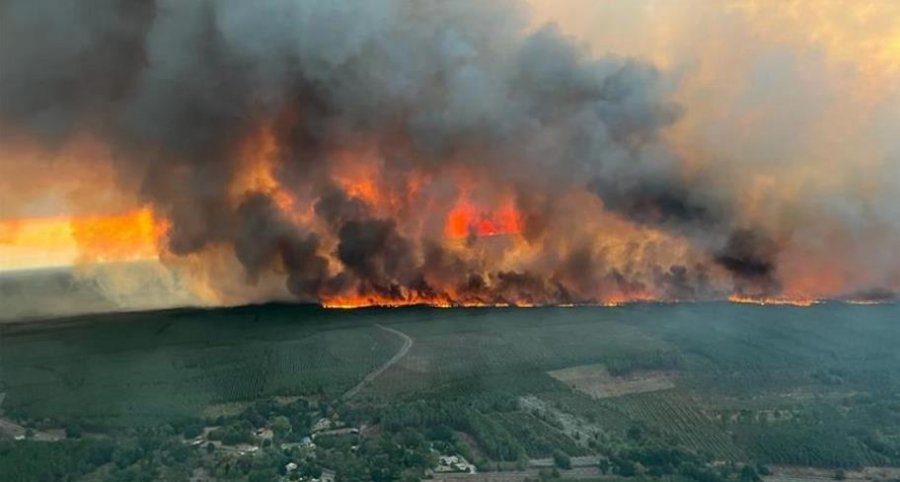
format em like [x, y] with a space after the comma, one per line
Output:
[264, 238]
[176, 87]
[751, 257]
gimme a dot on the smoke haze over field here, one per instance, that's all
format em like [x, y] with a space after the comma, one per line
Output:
[465, 152]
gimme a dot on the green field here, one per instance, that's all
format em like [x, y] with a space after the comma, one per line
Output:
[151, 367]
[816, 386]
[831, 372]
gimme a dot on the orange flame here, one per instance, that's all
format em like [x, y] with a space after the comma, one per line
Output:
[418, 202]
[259, 154]
[465, 219]
[783, 301]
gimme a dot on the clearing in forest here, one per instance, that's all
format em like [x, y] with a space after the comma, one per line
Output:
[596, 381]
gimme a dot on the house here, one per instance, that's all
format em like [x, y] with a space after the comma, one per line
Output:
[454, 463]
[321, 424]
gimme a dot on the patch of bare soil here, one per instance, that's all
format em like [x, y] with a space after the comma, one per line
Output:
[518, 475]
[9, 429]
[596, 381]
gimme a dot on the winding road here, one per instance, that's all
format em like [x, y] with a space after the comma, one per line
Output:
[407, 344]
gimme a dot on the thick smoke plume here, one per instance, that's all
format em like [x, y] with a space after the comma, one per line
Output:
[387, 151]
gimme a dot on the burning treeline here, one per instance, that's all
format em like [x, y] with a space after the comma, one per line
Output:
[391, 152]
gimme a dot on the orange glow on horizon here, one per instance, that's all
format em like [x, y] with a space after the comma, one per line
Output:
[63, 241]
[122, 237]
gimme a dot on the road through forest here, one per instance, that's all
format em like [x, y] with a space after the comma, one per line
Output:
[407, 344]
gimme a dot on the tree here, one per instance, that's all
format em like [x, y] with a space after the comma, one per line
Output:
[192, 429]
[548, 474]
[604, 466]
[73, 431]
[748, 474]
[635, 433]
[627, 469]
[639, 469]
[281, 426]
[561, 459]
[262, 475]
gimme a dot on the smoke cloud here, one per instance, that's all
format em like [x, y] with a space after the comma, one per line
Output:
[399, 151]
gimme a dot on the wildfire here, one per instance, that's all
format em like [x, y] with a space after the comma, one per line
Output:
[512, 271]
[869, 302]
[766, 301]
[354, 302]
[621, 299]
[359, 173]
[447, 301]
[40, 242]
[349, 303]
[260, 160]
[465, 218]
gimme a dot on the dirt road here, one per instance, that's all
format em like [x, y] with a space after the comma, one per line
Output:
[407, 344]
